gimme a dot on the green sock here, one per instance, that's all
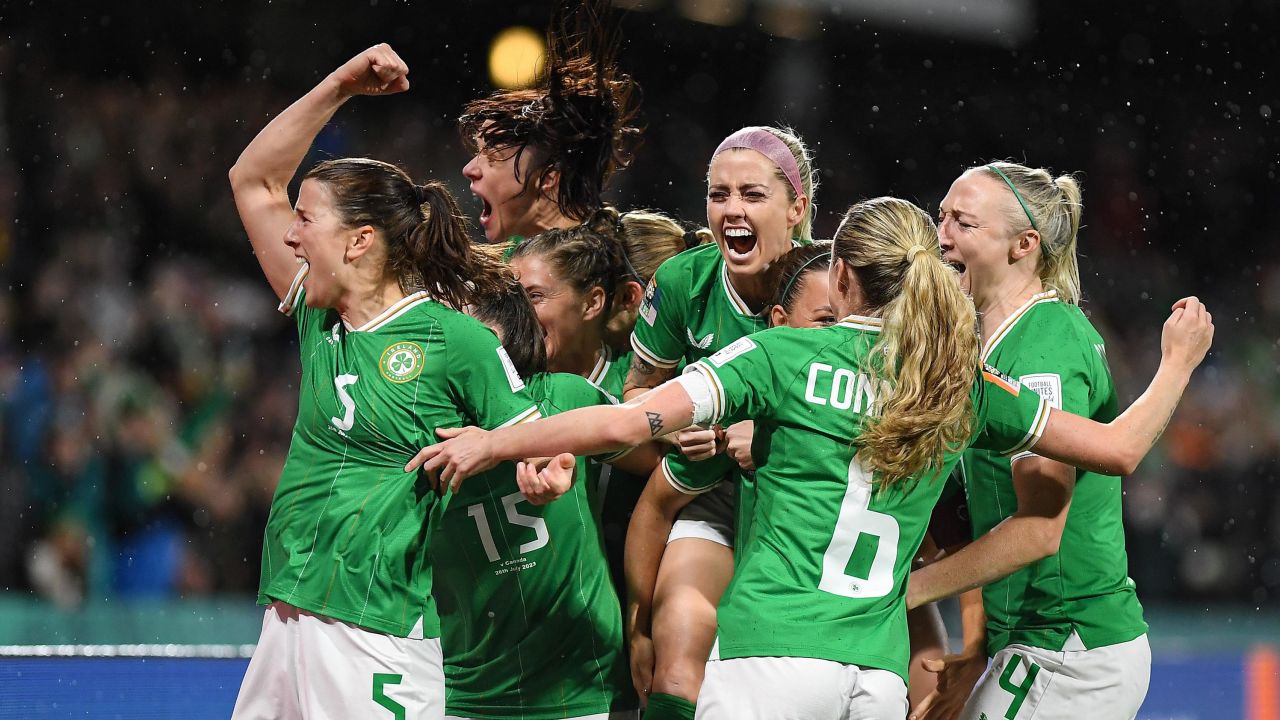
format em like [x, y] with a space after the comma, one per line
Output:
[668, 707]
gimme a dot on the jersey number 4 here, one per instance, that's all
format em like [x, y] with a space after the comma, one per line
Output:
[864, 547]
[541, 536]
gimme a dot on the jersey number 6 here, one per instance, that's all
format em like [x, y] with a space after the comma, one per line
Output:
[864, 532]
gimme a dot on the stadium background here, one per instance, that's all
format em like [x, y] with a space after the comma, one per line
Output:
[147, 387]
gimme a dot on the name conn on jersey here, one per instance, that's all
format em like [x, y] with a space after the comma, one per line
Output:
[843, 389]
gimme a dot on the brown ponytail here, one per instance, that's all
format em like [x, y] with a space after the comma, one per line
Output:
[425, 234]
[927, 353]
[440, 251]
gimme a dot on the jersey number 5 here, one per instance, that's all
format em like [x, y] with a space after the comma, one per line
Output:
[541, 536]
[348, 419]
[859, 533]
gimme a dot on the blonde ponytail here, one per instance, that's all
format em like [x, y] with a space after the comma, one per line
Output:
[927, 352]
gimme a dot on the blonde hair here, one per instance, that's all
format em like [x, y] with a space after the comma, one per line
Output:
[808, 179]
[650, 238]
[927, 352]
[1055, 203]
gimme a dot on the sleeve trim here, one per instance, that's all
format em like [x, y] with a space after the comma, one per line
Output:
[1037, 429]
[681, 487]
[526, 416]
[650, 356]
[290, 300]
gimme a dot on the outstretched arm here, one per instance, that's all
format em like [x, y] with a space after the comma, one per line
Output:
[260, 177]
[583, 432]
[1116, 448]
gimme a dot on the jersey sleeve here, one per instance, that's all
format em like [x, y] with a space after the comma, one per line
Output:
[1009, 418]
[1064, 381]
[657, 338]
[310, 321]
[741, 379]
[483, 378]
[696, 477]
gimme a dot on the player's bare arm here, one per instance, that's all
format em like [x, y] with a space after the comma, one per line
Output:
[1117, 447]
[260, 177]
[582, 432]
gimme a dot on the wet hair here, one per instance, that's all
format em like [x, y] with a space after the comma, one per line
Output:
[508, 310]
[808, 178]
[1056, 205]
[578, 122]
[927, 353]
[788, 272]
[583, 256]
[428, 246]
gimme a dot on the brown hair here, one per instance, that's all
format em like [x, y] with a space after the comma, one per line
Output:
[787, 273]
[509, 311]
[427, 241]
[1056, 205]
[585, 256]
[927, 351]
[577, 123]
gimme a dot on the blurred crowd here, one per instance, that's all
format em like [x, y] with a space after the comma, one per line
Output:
[148, 387]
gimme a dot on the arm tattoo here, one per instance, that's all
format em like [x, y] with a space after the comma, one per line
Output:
[655, 423]
[645, 375]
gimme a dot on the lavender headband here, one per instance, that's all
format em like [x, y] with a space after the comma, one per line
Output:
[769, 145]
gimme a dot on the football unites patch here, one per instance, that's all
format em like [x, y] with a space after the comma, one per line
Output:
[401, 362]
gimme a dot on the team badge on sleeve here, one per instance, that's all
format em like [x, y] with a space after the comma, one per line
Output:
[999, 379]
[649, 306]
[1046, 385]
[401, 362]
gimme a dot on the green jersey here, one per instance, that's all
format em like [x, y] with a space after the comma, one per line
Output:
[347, 533]
[824, 563]
[531, 626]
[610, 371]
[691, 310]
[1053, 349]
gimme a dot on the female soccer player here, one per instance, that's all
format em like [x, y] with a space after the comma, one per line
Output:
[351, 629]
[544, 155]
[802, 300]
[760, 189]
[861, 421]
[1050, 553]
[531, 625]
[584, 285]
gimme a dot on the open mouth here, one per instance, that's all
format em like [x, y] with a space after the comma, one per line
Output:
[740, 241]
[485, 212]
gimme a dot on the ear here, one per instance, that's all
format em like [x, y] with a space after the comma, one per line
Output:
[594, 304]
[629, 296]
[1027, 243]
[549, 183]
[777, 316]
[796, 213]
[360, 242]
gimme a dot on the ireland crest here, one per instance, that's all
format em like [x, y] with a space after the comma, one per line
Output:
[401, 362]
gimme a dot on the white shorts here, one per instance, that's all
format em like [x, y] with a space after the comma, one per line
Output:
[311, 667]
[709, 516]
[779, 688]
[1026, 682]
